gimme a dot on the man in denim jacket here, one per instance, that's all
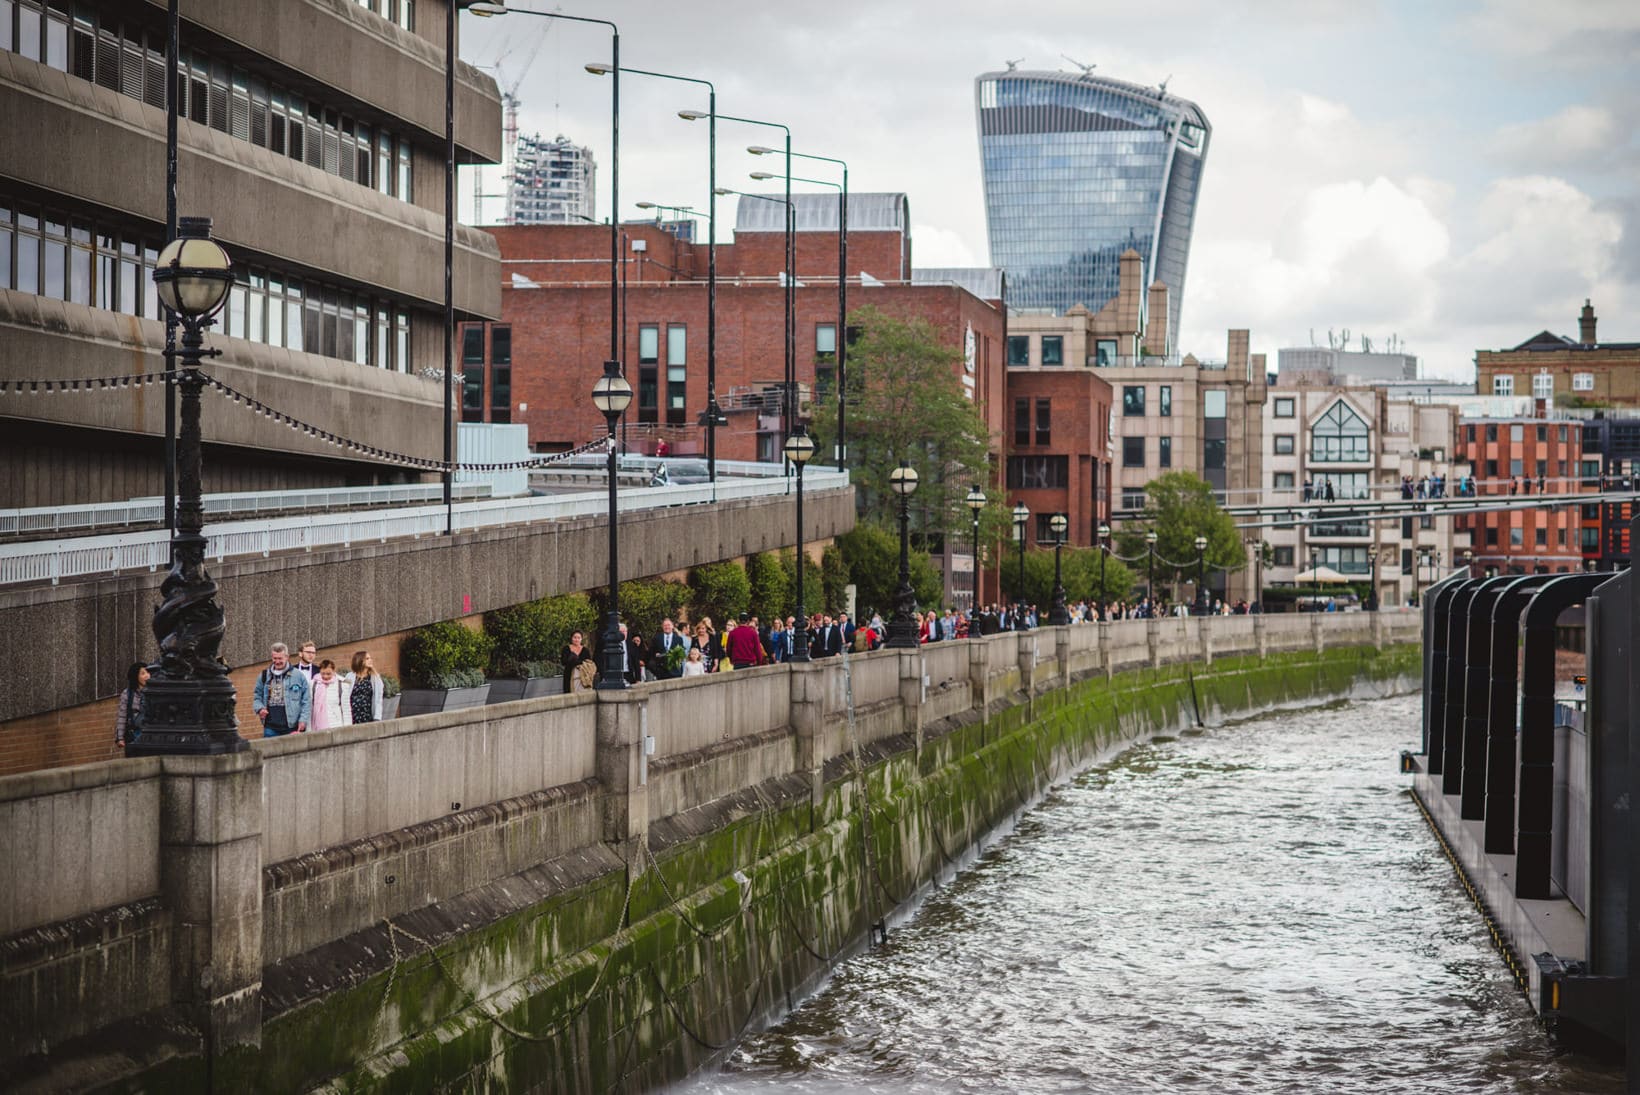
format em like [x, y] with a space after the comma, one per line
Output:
[284, 699]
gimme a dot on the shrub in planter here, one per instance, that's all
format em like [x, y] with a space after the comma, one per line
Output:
[445, 661]
[644, 604]
[719, 590]
[391, 691]
[531, 679]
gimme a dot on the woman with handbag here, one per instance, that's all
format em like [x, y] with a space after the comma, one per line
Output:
[574, 656]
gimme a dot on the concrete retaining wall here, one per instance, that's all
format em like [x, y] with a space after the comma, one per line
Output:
[279, 866]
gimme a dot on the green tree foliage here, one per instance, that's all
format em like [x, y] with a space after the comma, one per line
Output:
[873, 557]
[447, 654]
[1179, 507]
[906, 402]
[771, 586]
[644, 604]
[719, 590]
[833, 579]
[1080, 572]
[813, 590]
[535, 632]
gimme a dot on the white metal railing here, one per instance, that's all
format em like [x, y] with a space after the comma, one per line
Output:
[54, 560]
[148, 511]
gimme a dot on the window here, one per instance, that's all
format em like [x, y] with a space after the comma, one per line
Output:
[1346, 560]
[1491, 537]
[1471, 435]
[1282, 480]
[1339, 436]
[1286, 444]
[1543, 433]
[501, 373]
[1213, 403]
[1038, 472]
[1542, 468]
[472, 373]
[1133, 400]
[1133, 499]
[1540, 537]
[1043, 431]
[1053, 350]
[1019, 350]
[1164, 401]
[1284, 556]
[1133, 452]
[1582, 382]
[1515, 467]
[1104, 353]
[1213, 454]
[1286, 407]
[1589, 539]
[1560, 434]
[1543, 386]
[676, 395]
[1491, 431]
[1517, 433]
[1503, 384]
[1022, 422]
[1406, 528]
[1517, 537]
[649, 354]
[1164, 452]
[1560, 537]
[825, 341]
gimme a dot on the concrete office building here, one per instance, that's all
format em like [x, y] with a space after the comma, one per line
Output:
[1079, 169]
[1361, 443]
[1584, 372]
[1324, 365]
[552, 182]
[312, 132]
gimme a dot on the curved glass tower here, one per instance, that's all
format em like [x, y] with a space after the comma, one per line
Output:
[1079, 168]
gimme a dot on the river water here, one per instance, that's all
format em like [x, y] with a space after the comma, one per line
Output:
[1255, 908]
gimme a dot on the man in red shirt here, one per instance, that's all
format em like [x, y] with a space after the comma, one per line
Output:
[745, 646]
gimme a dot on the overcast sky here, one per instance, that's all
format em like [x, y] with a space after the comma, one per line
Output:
[1457, 174]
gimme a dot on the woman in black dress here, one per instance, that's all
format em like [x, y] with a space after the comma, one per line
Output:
[572, 656]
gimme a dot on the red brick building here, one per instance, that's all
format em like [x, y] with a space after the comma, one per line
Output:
[1059, 450]
[1506, 454]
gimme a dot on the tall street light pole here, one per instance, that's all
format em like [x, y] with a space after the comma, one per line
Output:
[190, 700]
[841, 341]
[1201, 575]
[1058, 615]
[799, 448]
[790, 412]
[975, 500]
[173, 40]
[1104, 553]
[611, 395]
[1150, 576]
[1022, 515]
[613, 69]
[902, 627]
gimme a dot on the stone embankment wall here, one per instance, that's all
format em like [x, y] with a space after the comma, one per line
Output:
[589, 892]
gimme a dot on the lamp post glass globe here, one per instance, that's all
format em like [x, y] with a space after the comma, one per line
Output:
[798, 448]
[1059, 614]
[975, 499]
[903, 479]
[611, 394]
[902, 627]
[193, 275]
[1201, 575]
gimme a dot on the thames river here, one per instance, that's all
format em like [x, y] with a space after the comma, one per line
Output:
[1255, 908]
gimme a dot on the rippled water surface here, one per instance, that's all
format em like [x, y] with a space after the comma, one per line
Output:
[1256, 908]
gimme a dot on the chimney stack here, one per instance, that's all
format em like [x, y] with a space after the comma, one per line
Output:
[1585, 324]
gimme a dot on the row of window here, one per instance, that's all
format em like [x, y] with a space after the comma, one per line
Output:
[1133, 400]
[473, 361]
[1051, 351]
[1540, 537]
[1517, 432]
[129, 57]
[1023, 434]
[402, 12]
[1543, 384]
[1133, 452]
[649, 374]
[49, 254]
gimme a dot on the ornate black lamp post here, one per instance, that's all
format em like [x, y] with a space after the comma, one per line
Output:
[799, 447]
[1104, 552]
[1372, 594]
[1058, 615]
[1022, 516]
[1315, 576]
[611, 395]
[975, 501]
[1150, 577]
[190, 700]
[1469, 562]
[902, 628]
[1201, 575]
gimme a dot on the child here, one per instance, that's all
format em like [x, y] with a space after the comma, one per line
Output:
[330, 699]
[694, 666]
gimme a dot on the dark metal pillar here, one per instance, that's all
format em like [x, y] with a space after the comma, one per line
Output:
[1436, 600]
[1502, 759]
[1457, 653]
[1476, 697]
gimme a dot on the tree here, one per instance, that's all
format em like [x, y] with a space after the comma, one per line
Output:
[719, 590]
[1179, 507]
[1079, 570]
[772, 591]
[906, 402]
[644, 604]
[813, 593]
[833, 579]
[873, 556]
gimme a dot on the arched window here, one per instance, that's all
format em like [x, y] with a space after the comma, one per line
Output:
[1339, 436]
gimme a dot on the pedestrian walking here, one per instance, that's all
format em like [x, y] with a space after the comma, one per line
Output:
[331, 710]
[580, 668]
[129, 714]
[365, 693]
[283, 697]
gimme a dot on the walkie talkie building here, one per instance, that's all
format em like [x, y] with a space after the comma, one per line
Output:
[1079, 168]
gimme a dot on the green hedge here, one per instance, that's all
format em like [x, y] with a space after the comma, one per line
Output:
[529, 637]
[438, 655]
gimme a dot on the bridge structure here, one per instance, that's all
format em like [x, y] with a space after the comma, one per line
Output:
[1530, 762]
[350, 578]
[1293, 512]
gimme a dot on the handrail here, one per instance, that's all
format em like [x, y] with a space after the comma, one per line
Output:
[54, 560]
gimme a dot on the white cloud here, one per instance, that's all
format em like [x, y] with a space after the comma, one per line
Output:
[936, 246]
[1577, 135]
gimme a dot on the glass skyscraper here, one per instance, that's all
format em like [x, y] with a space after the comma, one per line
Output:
[1079, 168]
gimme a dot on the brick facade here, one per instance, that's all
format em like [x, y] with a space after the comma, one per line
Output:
[1504, 452]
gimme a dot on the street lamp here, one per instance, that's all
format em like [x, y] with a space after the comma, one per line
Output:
[1104, 553]
[1469, 562]
[1022, 515]
[1058, 615]
[1315, 576]
[1201, 575]
[902, 628]
[1150, 579]
[1372, 594]
[611, 395]
[799, 447]
[975, 500]
[840, 343]
[190, 700]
